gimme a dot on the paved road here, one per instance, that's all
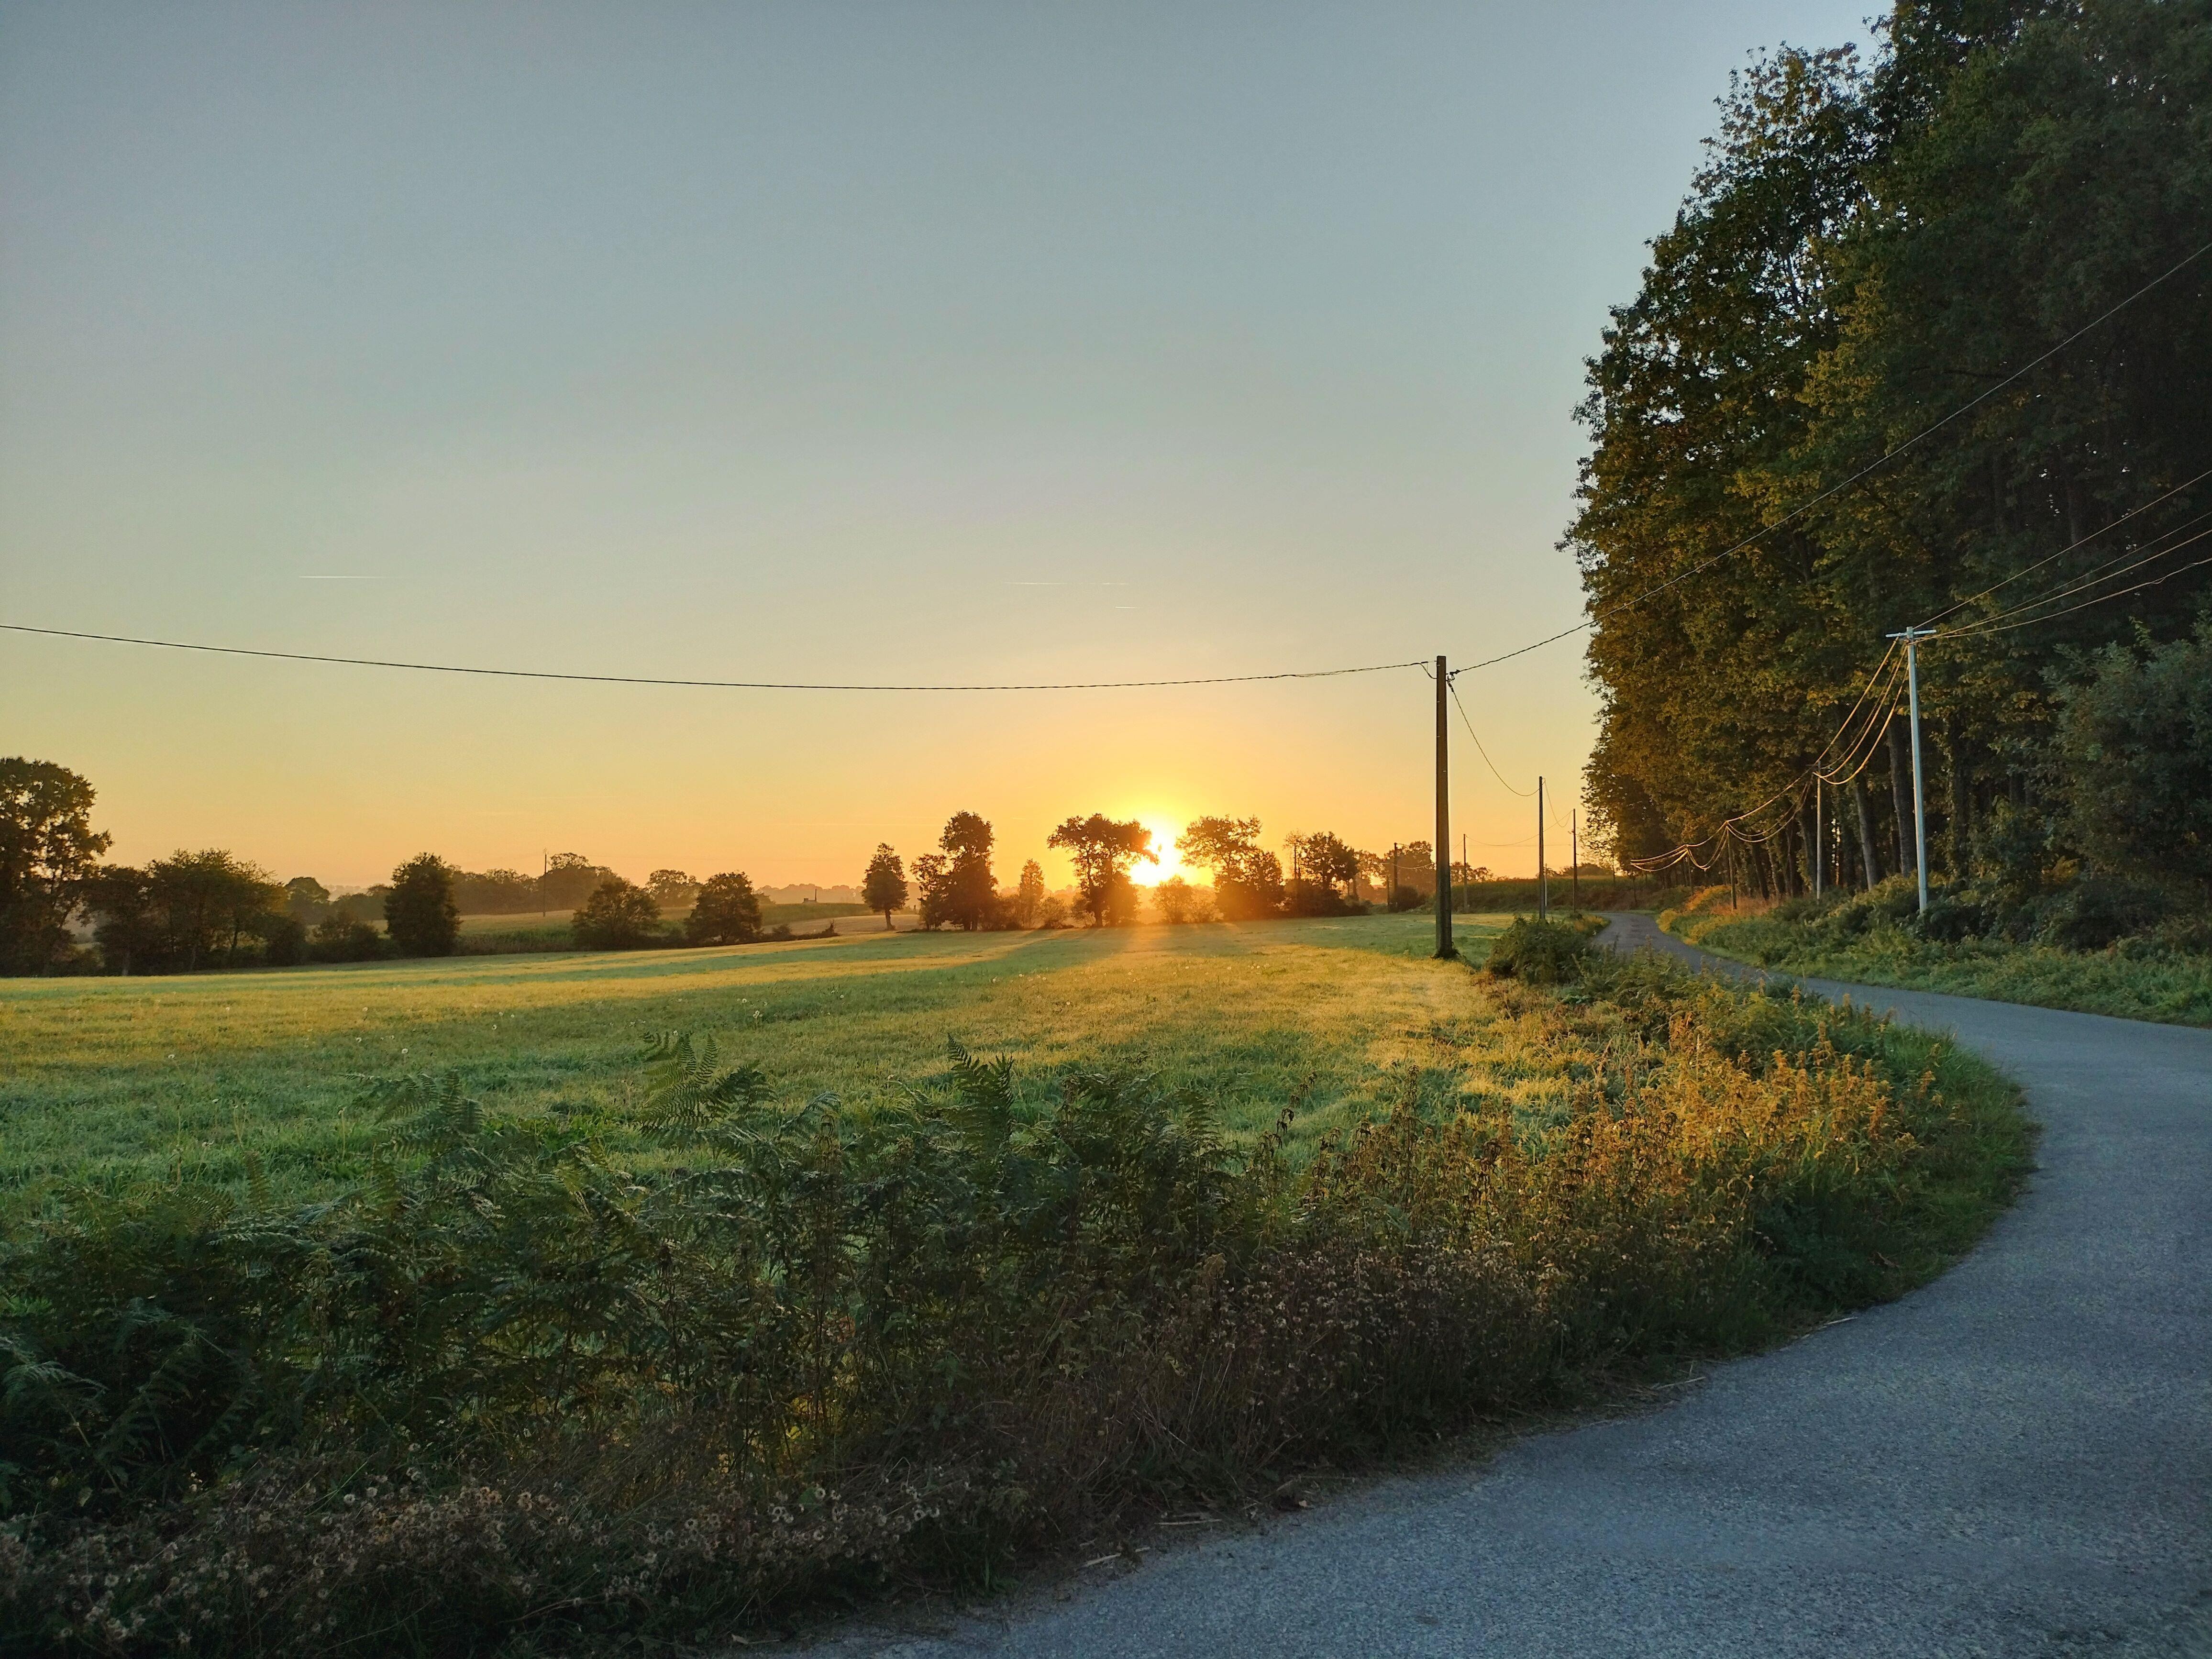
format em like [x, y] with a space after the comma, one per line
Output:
[2015, 1459]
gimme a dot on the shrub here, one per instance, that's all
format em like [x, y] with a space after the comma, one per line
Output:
[620, 915]
[2094, 911]
[1540, 952]
[726, 912]
[419, 911]
[284, 942]
[2135, 747]
[339, 937]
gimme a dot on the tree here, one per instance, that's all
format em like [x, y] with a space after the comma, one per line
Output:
[307, 901]
[1178, 902]
[883, 887]
[1103, 849]
[1247, 881]
[419, 912]
[570, 879]
[957, 886]
[495, 892]
[48, 851]
[127, 930]
[1029, 895]
[619, 915]
[210, 898]
[2134, 748]
[726, 912]
[672, 887]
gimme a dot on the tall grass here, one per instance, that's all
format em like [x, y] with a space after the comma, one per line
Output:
[2164, 975]
[516, 1391]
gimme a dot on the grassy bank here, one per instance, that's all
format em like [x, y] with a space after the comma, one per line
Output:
[1870, 940]
[663, 1360]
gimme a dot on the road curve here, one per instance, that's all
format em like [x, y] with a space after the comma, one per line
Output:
[2014, 1460]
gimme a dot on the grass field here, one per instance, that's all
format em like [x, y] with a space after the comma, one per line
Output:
[119, 1080]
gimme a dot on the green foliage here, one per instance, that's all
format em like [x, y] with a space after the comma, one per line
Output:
[1868, 246]
[957, 887]
[339, 937]
[1541, 952]
[2134, 748]
[512, 1388]
[48, 852]
[419, 912]
[620, 915]
[1029, 895]
[726, 912]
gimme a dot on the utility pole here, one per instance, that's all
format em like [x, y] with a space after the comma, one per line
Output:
[1575, 854]
[1390, 898]
[1443, 817]
[1912, 637]
[1820, 838]
[1543, 883]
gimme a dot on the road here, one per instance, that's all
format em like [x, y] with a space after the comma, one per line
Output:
[2014, 1460]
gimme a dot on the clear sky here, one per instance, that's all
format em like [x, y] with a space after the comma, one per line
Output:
[914, 343]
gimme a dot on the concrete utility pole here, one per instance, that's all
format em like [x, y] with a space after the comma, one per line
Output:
[1543, 883]
[1820, 838]
[1912, 637]
[1443, 817]
[1575, 855]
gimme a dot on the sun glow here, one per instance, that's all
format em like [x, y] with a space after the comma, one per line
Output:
[1164, 831]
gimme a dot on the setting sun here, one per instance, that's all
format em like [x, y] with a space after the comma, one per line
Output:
[1164, 831]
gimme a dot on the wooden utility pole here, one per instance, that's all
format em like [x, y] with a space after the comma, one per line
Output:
[1543, 883]
[1575, 854]
[1443, 817]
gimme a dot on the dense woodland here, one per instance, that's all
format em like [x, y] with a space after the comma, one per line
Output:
[1869, 247]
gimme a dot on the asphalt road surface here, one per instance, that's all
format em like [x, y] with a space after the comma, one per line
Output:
[2014, 1460]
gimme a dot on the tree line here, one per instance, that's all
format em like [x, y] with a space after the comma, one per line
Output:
[1868, 247]
[211, 909]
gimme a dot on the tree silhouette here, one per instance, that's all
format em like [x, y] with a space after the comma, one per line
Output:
[1103, 849]
[419, 912]
[726, 912]
[883, 887]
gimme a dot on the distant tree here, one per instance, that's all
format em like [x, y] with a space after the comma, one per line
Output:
[307, 901]
[342, 937]
[726, 912]
[283, 941]
[672, 887]
[127, 927]
[883, 887]
[932, 881]
[569, 879]
[494, 892]
[619, 915]
[1178, 902]
[48, 851]
[1330, 861]
[419, 912]
[210, 898]
[1029, 895]
[1103, 849]
[1248, 880]
[965, 893]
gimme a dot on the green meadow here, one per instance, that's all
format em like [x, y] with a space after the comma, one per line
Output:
[119, 1081]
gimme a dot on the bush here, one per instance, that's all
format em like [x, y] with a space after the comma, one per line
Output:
[2134, 746]
[726, 912]
[283, 942]
[620, 915]
[419, 911]
[2095, 911]
[339, 937]
[1540, 952]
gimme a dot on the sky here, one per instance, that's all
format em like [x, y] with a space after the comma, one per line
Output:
[917, 343]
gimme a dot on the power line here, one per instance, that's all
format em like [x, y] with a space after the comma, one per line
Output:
[719, 685]
[1478, 749]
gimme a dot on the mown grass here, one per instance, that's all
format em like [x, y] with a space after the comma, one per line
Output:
[108, 1082]
[2132, 980]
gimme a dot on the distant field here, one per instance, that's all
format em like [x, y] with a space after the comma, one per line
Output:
[123, 1080]
[554, 925]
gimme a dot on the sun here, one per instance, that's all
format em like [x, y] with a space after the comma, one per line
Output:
[1164, 831]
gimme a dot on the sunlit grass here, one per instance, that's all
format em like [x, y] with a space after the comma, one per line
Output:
[115, 1080]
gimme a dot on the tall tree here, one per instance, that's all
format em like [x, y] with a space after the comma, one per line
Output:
[48, 851]
[1029, 893]
[883, 887]
[210, 899]
[964, 894]
[619, 915]
[1102, 850]
[419, 912]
